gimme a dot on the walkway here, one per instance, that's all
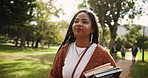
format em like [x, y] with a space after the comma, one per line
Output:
[125, 65]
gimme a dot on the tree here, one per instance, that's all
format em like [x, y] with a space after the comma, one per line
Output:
[43, 13]
[122, 40]
[15, 15]
[110, 11]
[31, 35]
[134, 36]
[140, 41]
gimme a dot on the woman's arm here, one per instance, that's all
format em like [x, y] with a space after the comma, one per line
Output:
[56, 70]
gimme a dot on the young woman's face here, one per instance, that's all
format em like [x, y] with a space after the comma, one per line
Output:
[82, 26]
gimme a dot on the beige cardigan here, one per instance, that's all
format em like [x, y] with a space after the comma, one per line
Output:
[99, 57]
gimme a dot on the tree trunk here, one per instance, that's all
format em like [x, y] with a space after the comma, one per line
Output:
[37, 42]
[113, 31]
[42, 43]
[32, 44]
[48, 44]
[103, 37]
[16, 41]
[112, 41]
[22, 36]
[28, 43]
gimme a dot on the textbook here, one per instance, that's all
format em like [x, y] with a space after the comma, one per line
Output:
[103, 71]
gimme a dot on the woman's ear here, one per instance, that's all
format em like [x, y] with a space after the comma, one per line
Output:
[92, 30]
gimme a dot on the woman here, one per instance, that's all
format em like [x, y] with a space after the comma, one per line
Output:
[80, 51]
[123, 50]
[113, 51]
[134, 52]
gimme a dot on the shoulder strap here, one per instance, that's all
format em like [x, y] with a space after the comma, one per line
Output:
[79, 61]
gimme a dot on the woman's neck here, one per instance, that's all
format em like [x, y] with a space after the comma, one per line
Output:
[82, 43]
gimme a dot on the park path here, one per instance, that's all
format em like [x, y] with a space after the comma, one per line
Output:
[125, 65]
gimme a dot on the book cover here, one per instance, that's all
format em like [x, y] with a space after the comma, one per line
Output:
[109, 73]
[103, 71]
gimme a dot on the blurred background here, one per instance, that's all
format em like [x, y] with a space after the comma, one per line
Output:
[32, 30]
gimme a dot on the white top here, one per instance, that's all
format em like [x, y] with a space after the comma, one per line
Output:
[72, 58]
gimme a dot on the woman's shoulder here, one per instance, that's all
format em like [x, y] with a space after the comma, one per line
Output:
[65, 46]
[101, 48]
[63, 50]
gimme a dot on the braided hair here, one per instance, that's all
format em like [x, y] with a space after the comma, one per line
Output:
[69, 38]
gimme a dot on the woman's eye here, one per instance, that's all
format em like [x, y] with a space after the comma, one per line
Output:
[85, 22]
[76, 21]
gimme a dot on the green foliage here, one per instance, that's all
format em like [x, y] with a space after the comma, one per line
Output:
[121, 40]
[54, 34]
[140, 41]
[14, 12]
[82, 5]
[15, 16]
[134, 35]
[45, 29]
[104, 37]
[109, 12]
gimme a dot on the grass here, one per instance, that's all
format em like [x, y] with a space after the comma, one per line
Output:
[140, 69]
[36, 63]
[25, 63]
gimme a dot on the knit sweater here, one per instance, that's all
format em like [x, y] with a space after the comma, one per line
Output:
[99, 57]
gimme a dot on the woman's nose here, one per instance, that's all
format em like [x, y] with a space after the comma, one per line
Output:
[79, 24]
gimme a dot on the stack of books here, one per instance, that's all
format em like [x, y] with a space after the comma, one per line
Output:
[103, 71]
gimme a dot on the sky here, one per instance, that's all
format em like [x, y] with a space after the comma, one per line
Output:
[70, 8]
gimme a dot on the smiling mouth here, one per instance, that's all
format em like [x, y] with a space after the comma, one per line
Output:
[78, 29]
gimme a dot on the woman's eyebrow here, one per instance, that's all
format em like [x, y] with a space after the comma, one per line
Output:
[82, 19]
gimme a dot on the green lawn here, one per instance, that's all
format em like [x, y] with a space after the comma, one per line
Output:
[25, 63]
[36, 63]
[140, 69]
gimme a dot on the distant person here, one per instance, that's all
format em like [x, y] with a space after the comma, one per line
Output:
[80, 50]
[113, 51]
[134, 50]
[123, 51]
